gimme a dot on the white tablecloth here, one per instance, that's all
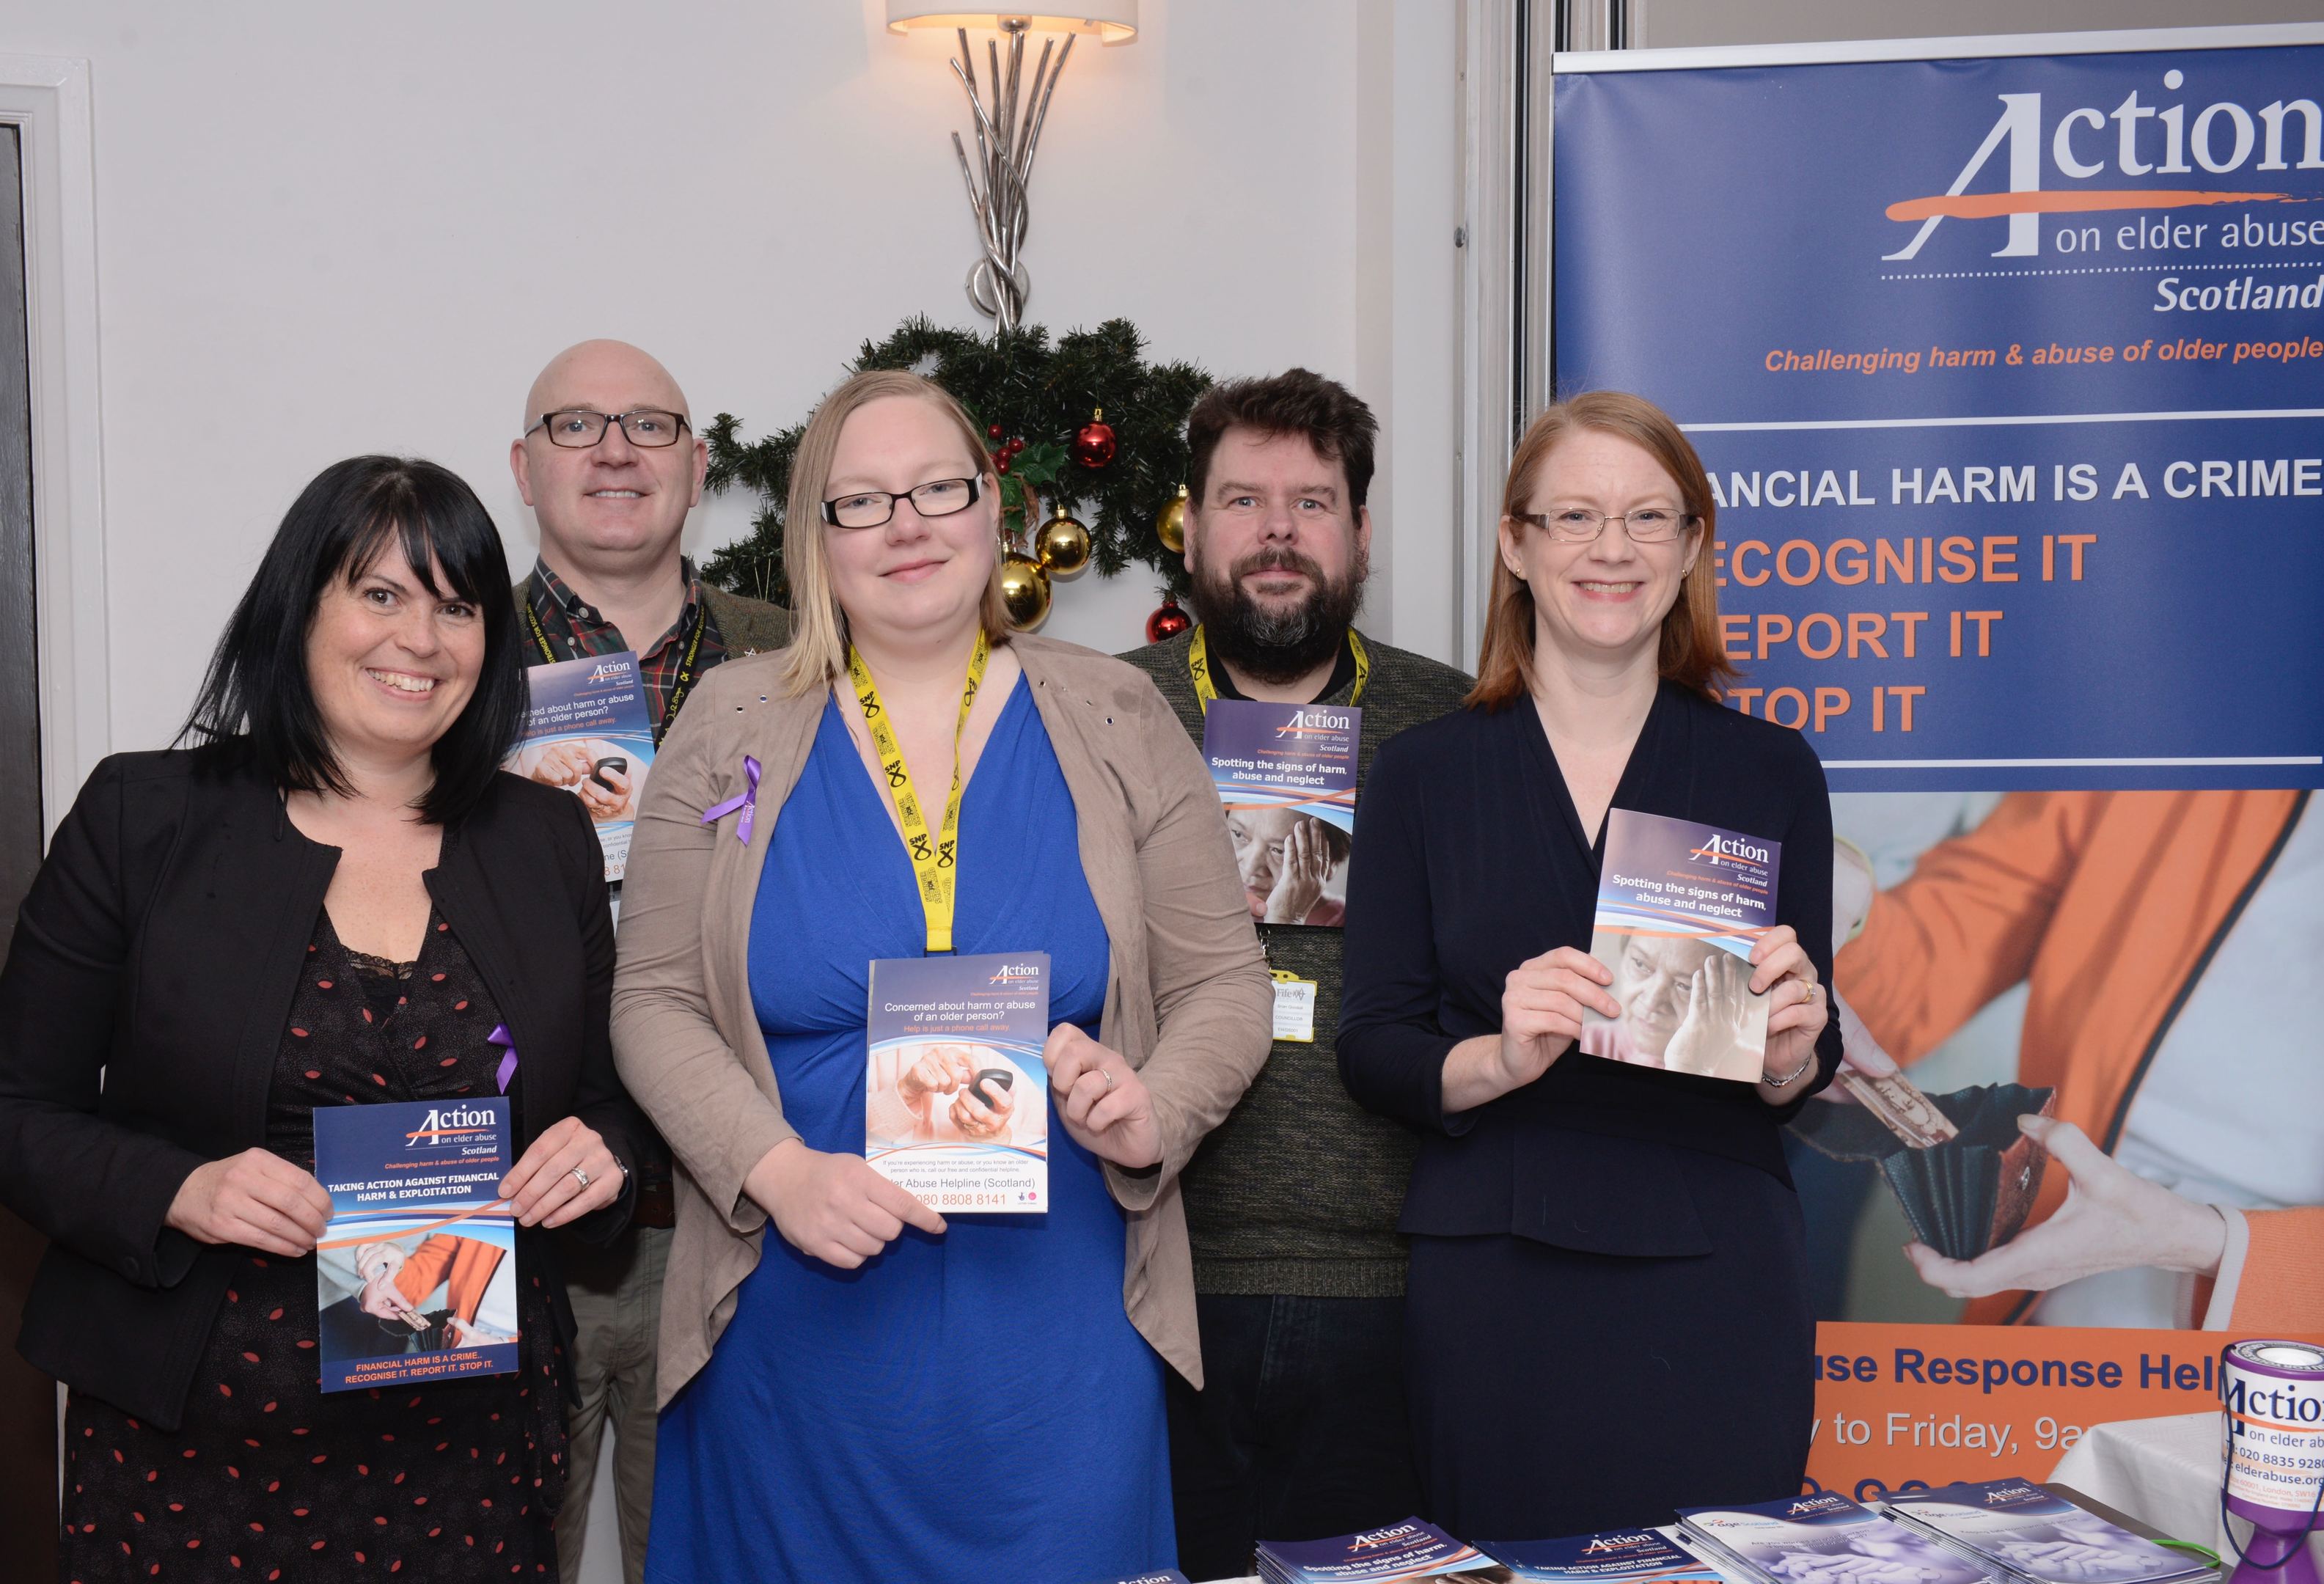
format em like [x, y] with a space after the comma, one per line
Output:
[2165, 1473]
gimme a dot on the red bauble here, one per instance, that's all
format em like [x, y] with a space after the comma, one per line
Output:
[1094, 442]
[1166, 622]
[1000, 460]
[992, 430]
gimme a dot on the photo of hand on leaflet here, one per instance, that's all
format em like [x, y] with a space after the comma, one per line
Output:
[1717, 1017]
[984, 1109]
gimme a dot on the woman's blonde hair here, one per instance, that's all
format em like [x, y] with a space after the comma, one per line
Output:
[818, 649]
[1691, 653]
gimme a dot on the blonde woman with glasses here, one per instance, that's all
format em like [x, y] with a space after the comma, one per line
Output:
[856, 1386]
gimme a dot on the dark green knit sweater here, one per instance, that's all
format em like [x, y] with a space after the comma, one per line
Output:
[1298, 1191]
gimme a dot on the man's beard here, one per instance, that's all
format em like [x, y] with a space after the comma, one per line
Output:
[1275, 645]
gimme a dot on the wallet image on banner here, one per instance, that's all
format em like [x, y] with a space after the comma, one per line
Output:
[416, 1274]
[956, 1096]
[1286, 774]
[590, 733]
[1680, 906]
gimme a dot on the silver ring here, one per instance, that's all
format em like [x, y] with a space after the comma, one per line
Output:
[1109, 1077]
[581, 1177]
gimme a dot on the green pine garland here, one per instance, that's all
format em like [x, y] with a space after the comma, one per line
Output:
[1045, 394]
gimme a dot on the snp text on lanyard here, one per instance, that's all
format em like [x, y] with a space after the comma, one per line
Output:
[935, 858]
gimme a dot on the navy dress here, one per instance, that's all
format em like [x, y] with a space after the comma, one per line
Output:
[1606, 1317]
[974, 1406]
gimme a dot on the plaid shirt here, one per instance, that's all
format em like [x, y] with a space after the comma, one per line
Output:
[575, 628]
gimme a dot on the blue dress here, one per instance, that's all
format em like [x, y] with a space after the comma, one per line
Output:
[974, 1406]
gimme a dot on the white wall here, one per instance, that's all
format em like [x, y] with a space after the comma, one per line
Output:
[1665, 23]
[325, 229]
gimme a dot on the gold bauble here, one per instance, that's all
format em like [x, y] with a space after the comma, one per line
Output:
[1171, 524]
[1024, 590]
[1063, 545]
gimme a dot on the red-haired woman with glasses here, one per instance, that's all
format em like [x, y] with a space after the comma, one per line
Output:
[1607, 1312]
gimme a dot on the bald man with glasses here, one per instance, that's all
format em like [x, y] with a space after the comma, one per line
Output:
[610, 463]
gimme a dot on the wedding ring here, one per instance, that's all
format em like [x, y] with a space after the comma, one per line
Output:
[581, 1177]
[1108, 1078]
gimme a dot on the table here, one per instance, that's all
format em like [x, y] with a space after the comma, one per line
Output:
[2165, 1473]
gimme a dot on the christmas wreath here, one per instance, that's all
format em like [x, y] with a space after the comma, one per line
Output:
[1089, 440]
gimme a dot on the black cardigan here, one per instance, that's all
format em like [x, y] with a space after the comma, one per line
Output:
[1470, 860]
[143, 1002]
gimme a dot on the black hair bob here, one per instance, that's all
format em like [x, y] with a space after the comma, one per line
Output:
[257, 697]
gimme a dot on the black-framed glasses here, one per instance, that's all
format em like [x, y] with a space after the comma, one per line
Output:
[1648, 525]
[579, 428]
[939, 497]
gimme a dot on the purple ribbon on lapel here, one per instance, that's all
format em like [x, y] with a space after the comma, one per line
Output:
[499, 1035]
[748, 802]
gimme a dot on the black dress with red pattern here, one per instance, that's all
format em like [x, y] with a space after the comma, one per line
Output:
[269, 1477]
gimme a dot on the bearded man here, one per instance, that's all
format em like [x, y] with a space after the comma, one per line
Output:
[1299, 1433]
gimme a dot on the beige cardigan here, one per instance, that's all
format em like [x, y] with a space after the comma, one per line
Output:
[1187, 1001]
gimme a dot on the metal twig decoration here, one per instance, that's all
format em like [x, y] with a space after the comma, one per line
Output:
[1005, 143]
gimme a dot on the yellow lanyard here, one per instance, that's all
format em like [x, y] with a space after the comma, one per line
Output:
[933, 863]
[1198, 666]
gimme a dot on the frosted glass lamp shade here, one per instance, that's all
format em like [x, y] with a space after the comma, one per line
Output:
[1114, 22]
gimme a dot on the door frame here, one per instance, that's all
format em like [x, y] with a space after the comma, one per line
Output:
[47, 99]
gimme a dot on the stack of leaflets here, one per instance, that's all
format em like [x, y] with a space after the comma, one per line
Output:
[1618, 1556]
[2016, 1529]
[1823, 1539]
[1409, 1550]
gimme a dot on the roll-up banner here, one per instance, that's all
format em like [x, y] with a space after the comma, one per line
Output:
[2008, 372]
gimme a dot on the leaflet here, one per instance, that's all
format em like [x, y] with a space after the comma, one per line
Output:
[416, 1272]
[1618, 1556]
[1409, 1550]
[1287, 773]
[590, 733]
[2020, 1529]
[956, 1096]
[1680, 906]
[1823, 1539]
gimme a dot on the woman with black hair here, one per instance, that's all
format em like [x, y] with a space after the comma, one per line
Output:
[333, 896]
